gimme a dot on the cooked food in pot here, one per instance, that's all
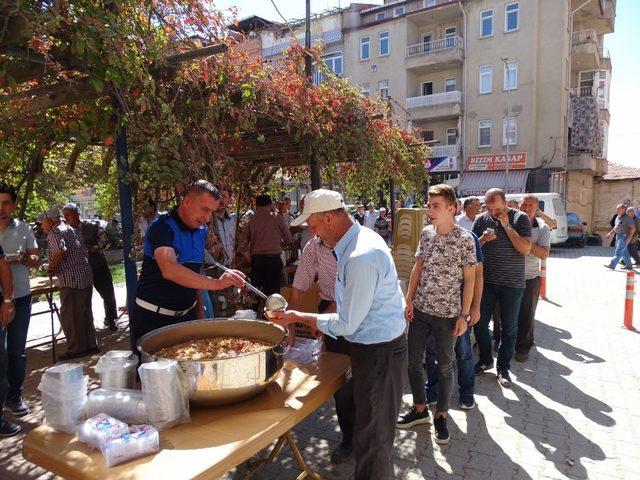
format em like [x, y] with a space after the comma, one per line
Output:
[213, 349]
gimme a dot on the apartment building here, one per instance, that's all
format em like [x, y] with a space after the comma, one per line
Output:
[479, 78]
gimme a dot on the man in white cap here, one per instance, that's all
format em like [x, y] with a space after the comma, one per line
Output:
[68, 261]
[370, 317]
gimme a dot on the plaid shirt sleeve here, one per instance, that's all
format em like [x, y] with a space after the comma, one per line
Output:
[305, 273]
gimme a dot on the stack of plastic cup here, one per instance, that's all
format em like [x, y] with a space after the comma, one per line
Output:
[64, 396]
[165, 393]
[127, 405]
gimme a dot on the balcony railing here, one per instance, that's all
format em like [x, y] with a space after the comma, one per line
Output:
[435, 99]
[434, 46]
[445, 150]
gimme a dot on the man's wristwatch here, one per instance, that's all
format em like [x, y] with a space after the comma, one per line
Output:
[8, 300]
[467, 317]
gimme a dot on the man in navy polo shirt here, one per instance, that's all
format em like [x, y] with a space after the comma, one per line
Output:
[170, 286]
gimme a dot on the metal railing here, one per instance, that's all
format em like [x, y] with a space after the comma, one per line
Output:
[434, 46]
[446, 150]
[585, 36]
[435, 99]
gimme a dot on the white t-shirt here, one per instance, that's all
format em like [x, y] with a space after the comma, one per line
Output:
[370, 218]
[464, 221]
[540, 236]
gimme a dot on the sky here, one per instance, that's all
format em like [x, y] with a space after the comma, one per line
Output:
[623, 44]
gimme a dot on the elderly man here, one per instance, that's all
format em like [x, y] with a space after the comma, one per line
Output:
[7, 313]
[261, 244]
[319, 265]
[359, 215]
[19, 243]
[624, 228]
[540, 247]
[382, 226]
[505, 236]
[225, 224]
[633, 244]
[95, 239]
[370, 317]
[470, 207]
[371, 216]
[68, 261]
[170, 289]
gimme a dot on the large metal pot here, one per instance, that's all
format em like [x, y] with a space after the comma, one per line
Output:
[229, 380]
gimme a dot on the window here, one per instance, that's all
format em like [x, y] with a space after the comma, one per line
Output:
[398, 11]
[452, 136]
[486, 23]
[364, 48]
[365, 89]
[427, 40]
[383, 88]
[450, 84]
[427, 135]
[511, 74]
[484, 133]
[334, 62]
[486, 79]
[381, 16]
[383, 43]
[511, 17]
[509, 131]
[427, 88]
[450, 36]
[429, 3]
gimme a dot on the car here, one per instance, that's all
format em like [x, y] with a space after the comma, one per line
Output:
[575, 229]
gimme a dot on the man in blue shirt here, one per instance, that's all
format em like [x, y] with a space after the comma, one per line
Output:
[370, 317]
[170, 286]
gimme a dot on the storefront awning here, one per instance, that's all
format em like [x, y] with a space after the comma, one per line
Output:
[477, 183]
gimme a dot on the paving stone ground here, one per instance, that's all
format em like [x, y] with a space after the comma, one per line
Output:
[572, 412]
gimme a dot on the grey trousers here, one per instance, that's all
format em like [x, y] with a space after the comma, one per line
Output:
[76, 318]
[420, 329]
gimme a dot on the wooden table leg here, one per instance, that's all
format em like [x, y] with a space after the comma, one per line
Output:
[53, 310]
[306, 471]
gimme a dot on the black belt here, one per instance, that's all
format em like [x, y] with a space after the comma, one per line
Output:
[381, 344]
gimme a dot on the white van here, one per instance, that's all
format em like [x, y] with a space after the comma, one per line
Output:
[552, 205]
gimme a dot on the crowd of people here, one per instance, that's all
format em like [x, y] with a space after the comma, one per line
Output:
[471, 267]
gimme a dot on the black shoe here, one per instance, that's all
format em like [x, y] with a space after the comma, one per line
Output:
[480, 367]
[607, 265]
[341, 454]
[9, 429]
[111, 326]
[92, 351]
[504, 379]
[521, 357]
[441, 432]
[70, 356]
[627, 268]
[412, 418]
[17, 407]
[467, 403]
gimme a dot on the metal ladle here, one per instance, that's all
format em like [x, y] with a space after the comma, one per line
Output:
[273, 302]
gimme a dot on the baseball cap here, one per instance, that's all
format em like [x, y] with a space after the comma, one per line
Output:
[317, 201]
[53, 212]
[72, 207]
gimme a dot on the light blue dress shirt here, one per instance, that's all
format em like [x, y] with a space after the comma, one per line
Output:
[369, 302]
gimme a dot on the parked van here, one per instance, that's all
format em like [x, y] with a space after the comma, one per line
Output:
[552, 205]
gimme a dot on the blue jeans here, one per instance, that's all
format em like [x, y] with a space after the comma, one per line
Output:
[621, 251]
[509, 300]
[464, 359]
[16, 342]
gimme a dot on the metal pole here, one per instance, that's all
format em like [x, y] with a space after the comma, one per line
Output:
[126, 211]
[314, 167]
[506, 162]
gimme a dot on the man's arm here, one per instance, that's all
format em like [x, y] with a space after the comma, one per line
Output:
[287, 239]
[7, 310]
[632, 230]
[477, 293]
[521, 243]
[414, 279]
[547, 219]
[173, 271]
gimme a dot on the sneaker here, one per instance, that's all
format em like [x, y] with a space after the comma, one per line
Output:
[521, 357]
[412, 418]
[341, 454]
[607, 265]
[627, 268]
[504, 379]
[480, 367]
[17, 407]
[441, 432]
[467, 403]
[9, 429]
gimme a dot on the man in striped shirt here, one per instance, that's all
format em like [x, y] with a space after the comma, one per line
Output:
[68, 261]
[318, 264]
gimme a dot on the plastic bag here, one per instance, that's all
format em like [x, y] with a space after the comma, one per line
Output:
[64, 398]
[165, 393]
[305, 350]
[100, 427]
[138, 441]
[127, 405]
[117, 369]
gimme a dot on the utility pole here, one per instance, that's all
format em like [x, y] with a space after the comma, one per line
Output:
[308, 71]
[505, 60]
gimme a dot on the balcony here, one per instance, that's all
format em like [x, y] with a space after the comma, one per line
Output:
[605, 60]
[587, 163]
[586, 139]
[446, 52]
[445, 150]
[438, 105]
[586, 50]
